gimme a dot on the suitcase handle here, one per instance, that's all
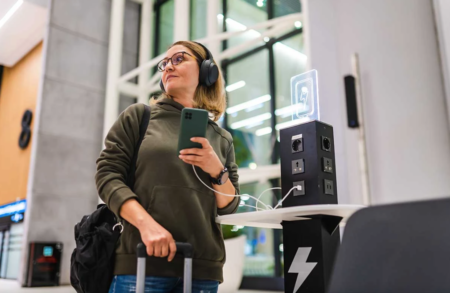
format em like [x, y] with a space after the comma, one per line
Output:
[184, 249]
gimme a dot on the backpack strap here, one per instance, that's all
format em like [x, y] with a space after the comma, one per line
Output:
[142, 129]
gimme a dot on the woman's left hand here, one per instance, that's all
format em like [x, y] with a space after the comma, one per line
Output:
[205, 158]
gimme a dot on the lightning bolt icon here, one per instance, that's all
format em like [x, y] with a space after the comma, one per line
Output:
[301, 267]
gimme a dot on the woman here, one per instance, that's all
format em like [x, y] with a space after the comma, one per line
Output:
[169, 203]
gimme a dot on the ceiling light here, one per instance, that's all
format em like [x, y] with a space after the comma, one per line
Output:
[11, 11]
[284, 111]
[251, 121]
[235, 86]
[289, 110]
[248, 104]
[253, 108]
[298, 24]
[263, 131]
[266, 39]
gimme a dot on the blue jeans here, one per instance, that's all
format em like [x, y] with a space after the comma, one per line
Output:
[127, 283]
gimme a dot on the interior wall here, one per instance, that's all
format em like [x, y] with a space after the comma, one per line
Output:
[19, 90]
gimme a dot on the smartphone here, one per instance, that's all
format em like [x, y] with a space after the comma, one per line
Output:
[193, 124]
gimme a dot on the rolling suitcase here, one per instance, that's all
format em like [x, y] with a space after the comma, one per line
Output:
[184, 249]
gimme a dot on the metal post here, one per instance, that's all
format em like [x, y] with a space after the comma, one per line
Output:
[213, 27]
[181, 20]
[362, 147]
[187, 281]
[140, 277]
[144, 47]
[141, 253]
[114, 64]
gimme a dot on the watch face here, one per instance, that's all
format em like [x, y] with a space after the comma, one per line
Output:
[224, 177]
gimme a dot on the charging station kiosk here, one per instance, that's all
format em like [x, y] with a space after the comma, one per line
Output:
[310, 217]
[316, 240]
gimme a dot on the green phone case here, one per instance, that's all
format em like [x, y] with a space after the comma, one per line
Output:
[193, 124]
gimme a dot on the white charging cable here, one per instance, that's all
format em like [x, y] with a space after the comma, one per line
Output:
[265, 192]
[235, 195]
[298, 187]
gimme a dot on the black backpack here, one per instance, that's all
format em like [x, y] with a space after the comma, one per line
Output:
[96, 235]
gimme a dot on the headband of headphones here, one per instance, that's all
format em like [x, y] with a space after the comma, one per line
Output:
[208, 73]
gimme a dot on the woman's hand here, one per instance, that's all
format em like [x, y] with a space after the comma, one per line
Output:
[159, 241]
[205, 158]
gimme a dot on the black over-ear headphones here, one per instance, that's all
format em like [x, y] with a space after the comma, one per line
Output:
[209, 73]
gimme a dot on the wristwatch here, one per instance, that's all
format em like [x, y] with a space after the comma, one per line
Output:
[221, 179]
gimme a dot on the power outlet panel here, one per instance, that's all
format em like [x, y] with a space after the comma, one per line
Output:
[297, 143]
[307, 157]
[302, 191]
[326, 143]
[328, 187]
[327, 165]
[298, 166]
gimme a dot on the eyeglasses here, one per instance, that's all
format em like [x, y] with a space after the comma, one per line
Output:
[176, 59]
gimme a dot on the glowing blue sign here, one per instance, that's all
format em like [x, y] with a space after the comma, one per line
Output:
[18, 207]
[17, 218]
[48, 251]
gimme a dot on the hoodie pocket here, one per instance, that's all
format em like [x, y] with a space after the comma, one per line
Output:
[189, 215]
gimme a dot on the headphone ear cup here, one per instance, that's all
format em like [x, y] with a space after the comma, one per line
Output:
[209, 73]
[161, 85]
[213, 73]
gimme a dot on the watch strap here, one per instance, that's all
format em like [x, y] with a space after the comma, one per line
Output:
[217, 180]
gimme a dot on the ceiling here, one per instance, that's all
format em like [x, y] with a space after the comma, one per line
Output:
[23, 30]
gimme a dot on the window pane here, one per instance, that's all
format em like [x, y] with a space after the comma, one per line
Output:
[249, 109]
[240, 15]
[290, 60]
[285, 7]
[246, 12]
[199, 18]
[166, 21]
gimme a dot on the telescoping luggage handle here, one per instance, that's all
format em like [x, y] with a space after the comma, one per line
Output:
[183, 249]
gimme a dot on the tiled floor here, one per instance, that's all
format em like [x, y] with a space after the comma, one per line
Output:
[7, 286]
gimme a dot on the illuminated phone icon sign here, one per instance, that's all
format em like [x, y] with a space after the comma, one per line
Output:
[304, 96]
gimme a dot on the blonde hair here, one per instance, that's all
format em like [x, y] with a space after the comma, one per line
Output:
[212, 98]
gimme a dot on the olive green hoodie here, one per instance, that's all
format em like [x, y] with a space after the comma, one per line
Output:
[167, 188]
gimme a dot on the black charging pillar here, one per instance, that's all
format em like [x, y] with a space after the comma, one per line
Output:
[310, 246]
